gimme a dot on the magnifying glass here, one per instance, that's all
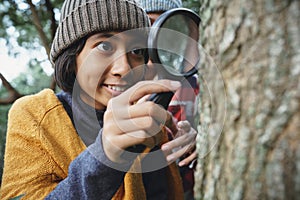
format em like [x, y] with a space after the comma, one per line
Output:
[173, 48]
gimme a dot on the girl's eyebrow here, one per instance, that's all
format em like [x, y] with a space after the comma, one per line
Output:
[106, 35]
[131, 39]
[102, 35]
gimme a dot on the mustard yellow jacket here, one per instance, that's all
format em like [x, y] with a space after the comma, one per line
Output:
[36, 161]
[41, 144]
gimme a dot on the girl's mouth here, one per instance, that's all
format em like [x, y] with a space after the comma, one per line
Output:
[117, 88]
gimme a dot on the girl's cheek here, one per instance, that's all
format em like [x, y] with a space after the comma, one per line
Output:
[139, 72]
[93, 66]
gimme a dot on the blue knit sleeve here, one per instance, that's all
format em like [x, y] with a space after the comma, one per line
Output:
[91, 176]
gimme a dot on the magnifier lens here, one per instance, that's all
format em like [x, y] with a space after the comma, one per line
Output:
[177, 45]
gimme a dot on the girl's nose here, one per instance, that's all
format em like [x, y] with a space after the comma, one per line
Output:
[121, 66]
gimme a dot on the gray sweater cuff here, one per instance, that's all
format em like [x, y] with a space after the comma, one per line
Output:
[97, 151]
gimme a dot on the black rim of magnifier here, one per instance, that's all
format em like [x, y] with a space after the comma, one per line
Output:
[152, 39]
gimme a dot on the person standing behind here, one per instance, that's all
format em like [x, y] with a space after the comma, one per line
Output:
[183, 101]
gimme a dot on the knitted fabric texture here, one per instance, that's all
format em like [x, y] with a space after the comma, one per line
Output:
[83, 17]
[29, 168]
[35, 138]
[160, 5]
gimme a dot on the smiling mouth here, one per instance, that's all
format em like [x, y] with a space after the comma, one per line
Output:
[117, 88]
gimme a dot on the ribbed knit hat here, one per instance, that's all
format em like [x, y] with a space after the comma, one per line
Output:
[160, 5]
[82, 17]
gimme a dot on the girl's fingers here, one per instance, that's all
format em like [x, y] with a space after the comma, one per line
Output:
[147, 124]
[115, 146]
[182, 145]
[188, 160]
[143, 109]
[177, 154]
[142, 88]
[131, 120]
[148, 108]
[137, 137]
[181, 141]
[184, 125]
[143, 99]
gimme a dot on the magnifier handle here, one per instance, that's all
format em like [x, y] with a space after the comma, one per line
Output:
[162, 98]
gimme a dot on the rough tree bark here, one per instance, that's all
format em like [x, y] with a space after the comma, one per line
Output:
[254, 105]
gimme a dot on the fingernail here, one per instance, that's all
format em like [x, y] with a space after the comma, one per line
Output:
[164, 147]
[191, 166]
[170, 158]
[175, 84]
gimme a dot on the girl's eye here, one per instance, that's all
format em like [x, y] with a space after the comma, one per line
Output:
[105, 46]
[139, 52]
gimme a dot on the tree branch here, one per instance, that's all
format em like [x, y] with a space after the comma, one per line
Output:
[13, 94]
[39, 27]
[50, 9]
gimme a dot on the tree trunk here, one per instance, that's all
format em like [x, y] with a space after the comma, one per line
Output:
[249, 130]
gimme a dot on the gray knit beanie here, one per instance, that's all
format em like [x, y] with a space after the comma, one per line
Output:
[160, 5]
[82, 17]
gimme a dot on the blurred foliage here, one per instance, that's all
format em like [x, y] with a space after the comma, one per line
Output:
[192, 4]
[17, 23]
[34, 80]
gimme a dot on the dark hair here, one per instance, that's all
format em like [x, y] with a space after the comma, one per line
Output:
[65, 66]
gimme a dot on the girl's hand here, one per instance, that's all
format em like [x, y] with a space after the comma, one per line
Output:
[131, 120]
[184, 144]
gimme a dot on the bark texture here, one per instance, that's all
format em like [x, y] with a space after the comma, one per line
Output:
[249, 130]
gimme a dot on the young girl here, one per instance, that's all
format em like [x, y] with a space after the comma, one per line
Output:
[75, 144]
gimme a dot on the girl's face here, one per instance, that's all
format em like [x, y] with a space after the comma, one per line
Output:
[109, 63]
